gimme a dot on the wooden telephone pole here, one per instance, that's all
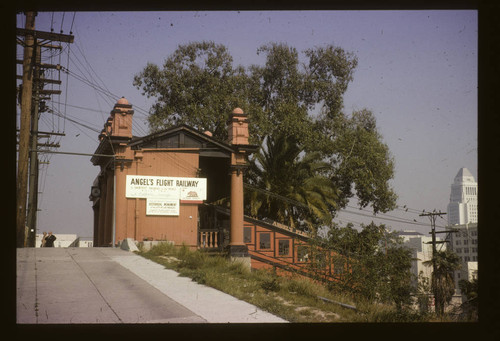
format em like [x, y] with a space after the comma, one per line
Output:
[432, 216]
[32, 79]
[24, 130]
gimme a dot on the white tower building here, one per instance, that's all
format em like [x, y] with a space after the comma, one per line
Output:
[462, 208]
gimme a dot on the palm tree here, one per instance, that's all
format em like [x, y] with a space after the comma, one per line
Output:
[442, 283]
[289, 185]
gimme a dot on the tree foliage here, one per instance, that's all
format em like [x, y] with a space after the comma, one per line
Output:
[470, 289]
[293, 190]
[379, 264]
[290, 94]
[197, 86]
[442, 283]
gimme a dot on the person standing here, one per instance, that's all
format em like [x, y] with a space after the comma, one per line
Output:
[49, 240]
[43, 239]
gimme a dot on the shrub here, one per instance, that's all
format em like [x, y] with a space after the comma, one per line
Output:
[162, 249]
[191, 260]
[405, 315]
[302, 287]
[199, 277]
[238, 268]
[270, 284]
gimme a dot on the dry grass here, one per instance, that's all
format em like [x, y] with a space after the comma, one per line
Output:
[294, 299]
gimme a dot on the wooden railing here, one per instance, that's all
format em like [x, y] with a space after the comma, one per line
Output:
[209, 239]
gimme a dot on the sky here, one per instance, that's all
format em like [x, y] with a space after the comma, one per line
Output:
[417, 72]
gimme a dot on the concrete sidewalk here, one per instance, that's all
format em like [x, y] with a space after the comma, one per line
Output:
[107, 285]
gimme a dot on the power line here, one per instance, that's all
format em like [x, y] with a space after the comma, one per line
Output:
[385, 215]
[74, 121]
[78, 107]
[383, 218]
[100, 89]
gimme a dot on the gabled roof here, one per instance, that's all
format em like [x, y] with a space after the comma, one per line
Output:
[182, 136]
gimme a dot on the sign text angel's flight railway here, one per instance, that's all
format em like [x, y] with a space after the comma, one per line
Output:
[166, 190]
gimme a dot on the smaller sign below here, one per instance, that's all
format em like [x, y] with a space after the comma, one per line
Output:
[162, 206]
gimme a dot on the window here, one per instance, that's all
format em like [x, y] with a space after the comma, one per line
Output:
[466, 242]
[457, 242]
[466, 250]
[474, 241]
[338, 266]
[284, 247]
[320, 260]
[302, 253]
[474, 249]
[459, 250]
[247, 234]
[265, 241]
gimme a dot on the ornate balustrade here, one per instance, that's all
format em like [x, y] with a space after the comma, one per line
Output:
[209, 239]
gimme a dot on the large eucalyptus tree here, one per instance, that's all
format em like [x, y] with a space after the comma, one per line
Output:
[290, 94]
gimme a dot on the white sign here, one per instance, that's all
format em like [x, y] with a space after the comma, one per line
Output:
[185, 189]
[161, 206]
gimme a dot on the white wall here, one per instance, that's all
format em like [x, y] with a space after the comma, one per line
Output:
[63, 240]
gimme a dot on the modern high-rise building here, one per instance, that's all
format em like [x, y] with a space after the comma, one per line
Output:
[462, 208]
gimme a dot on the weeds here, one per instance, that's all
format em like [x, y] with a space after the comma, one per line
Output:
[270, 284]
[294, 299]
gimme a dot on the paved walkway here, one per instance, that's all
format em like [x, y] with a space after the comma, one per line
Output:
[107, 285]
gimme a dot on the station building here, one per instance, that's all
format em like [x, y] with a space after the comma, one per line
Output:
[168, 186]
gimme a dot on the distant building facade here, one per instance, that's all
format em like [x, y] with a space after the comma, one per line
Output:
[421, 251]
[464, 242]
[462, 208]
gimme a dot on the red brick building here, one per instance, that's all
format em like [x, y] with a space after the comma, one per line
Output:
[164, 186]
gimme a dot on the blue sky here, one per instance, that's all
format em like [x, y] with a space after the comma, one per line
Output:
[417, 72]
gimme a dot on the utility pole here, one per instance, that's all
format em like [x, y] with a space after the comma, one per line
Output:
[432, 216]
[33, 177]
[32, 90]
[24, 130]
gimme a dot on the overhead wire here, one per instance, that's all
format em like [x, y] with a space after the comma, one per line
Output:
[67, 83]
[72, 22]
[55, 112]
[62, 21]
[52, 23]
[96, 82]
[381, 214]
[102, 89]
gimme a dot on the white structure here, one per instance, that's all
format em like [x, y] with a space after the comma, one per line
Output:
[462, 208]
[66, 240]
[85, 242]
[421, 249]
[464, 243]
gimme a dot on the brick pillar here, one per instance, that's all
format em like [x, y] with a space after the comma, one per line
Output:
[121, 115]
[238, 138]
